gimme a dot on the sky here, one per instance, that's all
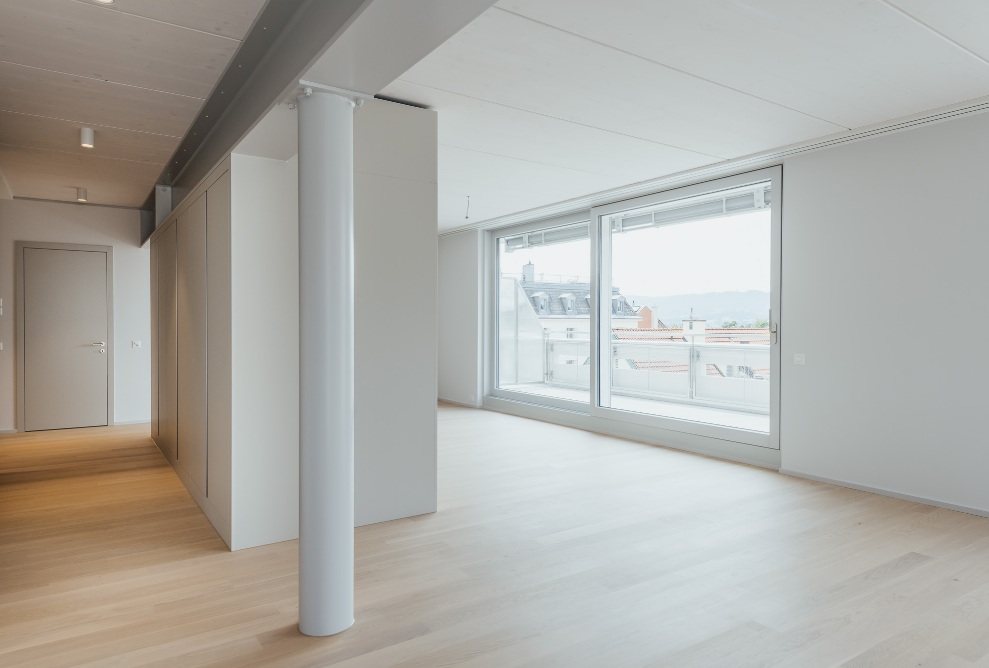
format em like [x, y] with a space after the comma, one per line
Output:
[716, 255]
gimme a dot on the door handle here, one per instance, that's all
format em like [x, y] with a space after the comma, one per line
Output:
[98, 343]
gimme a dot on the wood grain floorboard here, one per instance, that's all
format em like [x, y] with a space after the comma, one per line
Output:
[551, 547]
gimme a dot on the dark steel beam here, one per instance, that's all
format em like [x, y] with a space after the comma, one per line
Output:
[287, 37]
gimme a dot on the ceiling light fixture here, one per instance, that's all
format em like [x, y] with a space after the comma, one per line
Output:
[81, 195]
[104, 2]
[87, 138]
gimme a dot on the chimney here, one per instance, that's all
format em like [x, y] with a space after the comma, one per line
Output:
[693, 328]
[529, 273]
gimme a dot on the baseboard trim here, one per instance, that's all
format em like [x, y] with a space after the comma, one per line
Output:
[441, 400]
[886, 492]
[9, 431]
[121, 423]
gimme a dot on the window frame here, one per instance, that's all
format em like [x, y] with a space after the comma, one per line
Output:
[600, 279]
[491, 329]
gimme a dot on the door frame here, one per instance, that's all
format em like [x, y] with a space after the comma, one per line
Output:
[19, 325]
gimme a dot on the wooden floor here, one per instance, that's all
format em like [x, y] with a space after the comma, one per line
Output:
[552, 547]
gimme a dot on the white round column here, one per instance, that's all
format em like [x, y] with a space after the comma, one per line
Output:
[326, 363]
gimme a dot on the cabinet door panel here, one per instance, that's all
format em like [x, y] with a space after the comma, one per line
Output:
[191, 308]
[166, 348]
[218, 329]
[154, 340]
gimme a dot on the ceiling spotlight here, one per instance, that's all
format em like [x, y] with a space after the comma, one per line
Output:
[81, 195]
[87, 138]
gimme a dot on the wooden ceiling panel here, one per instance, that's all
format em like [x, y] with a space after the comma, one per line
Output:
[229, 18]
[137, 71]
[53, 95]
[112, 46]
[53, 175]
[850, 62]
[55, 135]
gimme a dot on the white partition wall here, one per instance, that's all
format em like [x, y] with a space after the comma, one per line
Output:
[395, 211]
[251, 331]
[460, 291]
[264, 349]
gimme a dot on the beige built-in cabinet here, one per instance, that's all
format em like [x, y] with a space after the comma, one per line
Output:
[225, 333]
[190, 370]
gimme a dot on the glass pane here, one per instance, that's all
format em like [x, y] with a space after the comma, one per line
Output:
[544, 314]
[689, 317]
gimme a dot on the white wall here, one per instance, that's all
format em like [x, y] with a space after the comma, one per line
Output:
[395, 249]
[884, 245]
[264, 247]
[22, 220]
[395, 266]
[460, 296]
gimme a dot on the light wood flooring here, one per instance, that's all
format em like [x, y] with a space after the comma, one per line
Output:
[552, 547]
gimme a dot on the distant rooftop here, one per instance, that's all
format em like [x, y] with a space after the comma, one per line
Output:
[570, 299]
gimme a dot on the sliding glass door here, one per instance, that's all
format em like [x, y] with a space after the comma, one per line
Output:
[695, 269]
[660, 310]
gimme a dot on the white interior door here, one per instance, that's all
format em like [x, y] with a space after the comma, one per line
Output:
[66, 352]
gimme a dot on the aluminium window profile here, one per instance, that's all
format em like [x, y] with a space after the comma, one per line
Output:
[548, 237]
[715, 205]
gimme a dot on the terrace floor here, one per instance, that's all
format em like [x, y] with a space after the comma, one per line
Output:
[753, 422]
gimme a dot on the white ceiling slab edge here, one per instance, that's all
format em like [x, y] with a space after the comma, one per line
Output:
[383, 42]
[745, 163]
[388, 38]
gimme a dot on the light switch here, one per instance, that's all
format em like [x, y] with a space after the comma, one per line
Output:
[799, 358]
[135, 344]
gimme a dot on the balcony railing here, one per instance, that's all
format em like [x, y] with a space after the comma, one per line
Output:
[720, 375]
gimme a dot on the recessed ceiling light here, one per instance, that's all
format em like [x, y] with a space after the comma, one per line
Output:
[87, 138]
[104, 2]
[81, 195]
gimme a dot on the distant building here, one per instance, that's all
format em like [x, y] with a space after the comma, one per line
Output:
[648, 319]
[564, 308]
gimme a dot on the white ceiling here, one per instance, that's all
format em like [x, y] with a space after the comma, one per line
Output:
[545, 100]
[136, 71]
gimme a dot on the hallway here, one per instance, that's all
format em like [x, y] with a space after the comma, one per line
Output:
[552, 547]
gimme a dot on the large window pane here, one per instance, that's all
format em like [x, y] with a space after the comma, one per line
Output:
[690, 309]
[544, 308]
